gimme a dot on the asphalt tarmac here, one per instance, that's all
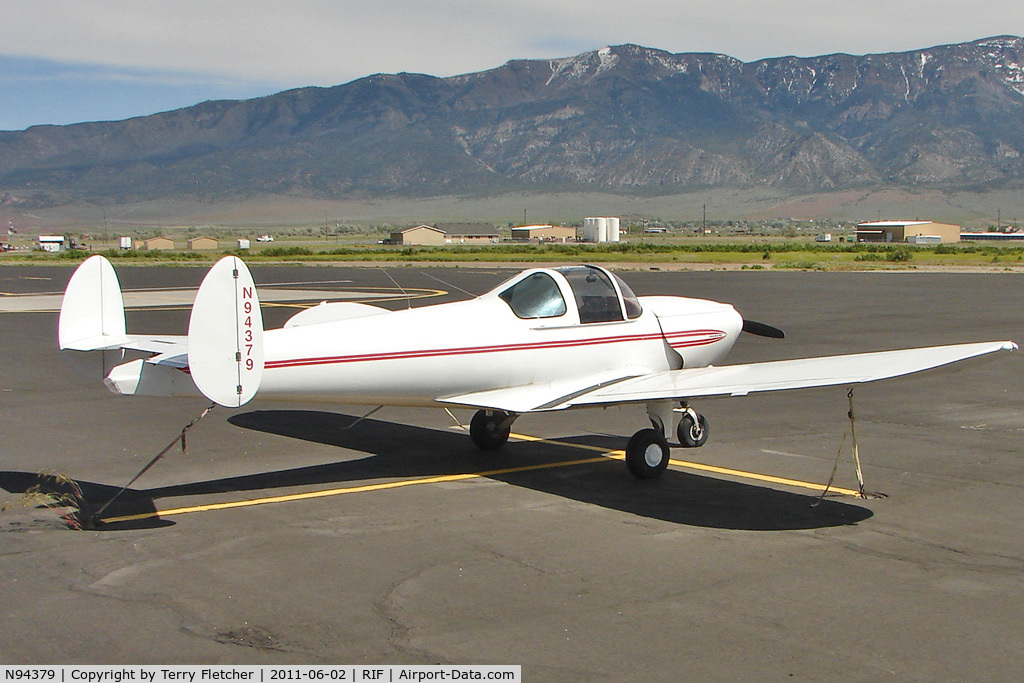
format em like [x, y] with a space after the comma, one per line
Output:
[283, 537]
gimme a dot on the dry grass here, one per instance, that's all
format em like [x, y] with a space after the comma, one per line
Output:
[55, 491]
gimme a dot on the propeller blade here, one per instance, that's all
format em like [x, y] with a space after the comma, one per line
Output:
[763, 330]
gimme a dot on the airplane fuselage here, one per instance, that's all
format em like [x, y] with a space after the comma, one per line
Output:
[416, 356]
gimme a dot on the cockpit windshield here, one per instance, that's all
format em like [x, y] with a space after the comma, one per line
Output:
[600, 296]
[632, 303]
[596, 295]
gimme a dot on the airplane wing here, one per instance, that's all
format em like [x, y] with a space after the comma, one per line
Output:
[637, 386]
[740, 380]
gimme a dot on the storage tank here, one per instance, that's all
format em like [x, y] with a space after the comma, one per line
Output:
[613, 229]
[601, 229]
[597, 228]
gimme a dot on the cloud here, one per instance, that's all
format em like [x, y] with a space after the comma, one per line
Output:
[325, 42]
[166, 51]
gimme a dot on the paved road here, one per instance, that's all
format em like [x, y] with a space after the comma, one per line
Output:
[576, 571]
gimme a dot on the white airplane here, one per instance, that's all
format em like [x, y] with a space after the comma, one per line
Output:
[545, 339]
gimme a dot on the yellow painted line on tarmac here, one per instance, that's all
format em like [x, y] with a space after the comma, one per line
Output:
[606, 456]
[441, 479]
[764, 477]
[741, 474]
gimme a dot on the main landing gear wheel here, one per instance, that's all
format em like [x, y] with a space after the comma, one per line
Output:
[647, 454]
[692, 434]
[490, 430]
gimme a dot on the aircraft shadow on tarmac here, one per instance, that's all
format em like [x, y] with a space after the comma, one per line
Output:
[403, 451]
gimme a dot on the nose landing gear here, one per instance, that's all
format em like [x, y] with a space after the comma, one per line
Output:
[692, 430]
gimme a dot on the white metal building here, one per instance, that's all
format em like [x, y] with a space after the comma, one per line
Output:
[51, 243]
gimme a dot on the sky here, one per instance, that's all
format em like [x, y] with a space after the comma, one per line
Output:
[69, 61]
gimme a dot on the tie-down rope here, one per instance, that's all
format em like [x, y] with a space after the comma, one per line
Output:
[95, 517]
[852, 432]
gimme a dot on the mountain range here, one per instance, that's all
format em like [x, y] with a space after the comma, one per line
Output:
[624, 119]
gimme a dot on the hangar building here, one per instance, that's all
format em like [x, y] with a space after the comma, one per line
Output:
[914, 232]
[418, 234]
[469, 233]
[446, 233]
[544, 233]
[199, 243]
[159, 243]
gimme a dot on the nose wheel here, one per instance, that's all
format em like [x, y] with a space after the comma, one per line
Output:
[692, 433]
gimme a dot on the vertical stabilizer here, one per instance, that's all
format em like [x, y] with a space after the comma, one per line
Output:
[225, 335]
[92, 313]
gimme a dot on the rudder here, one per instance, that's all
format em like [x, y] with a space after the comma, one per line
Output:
[225, 335]
[92, 312]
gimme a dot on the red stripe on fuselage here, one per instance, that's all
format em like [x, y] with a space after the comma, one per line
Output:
[679, 340]
[675, 339]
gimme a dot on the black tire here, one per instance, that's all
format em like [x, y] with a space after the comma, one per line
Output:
[647, 454]
[691, 434]
[483, 430]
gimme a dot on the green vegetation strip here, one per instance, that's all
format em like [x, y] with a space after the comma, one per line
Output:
[781, 254]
